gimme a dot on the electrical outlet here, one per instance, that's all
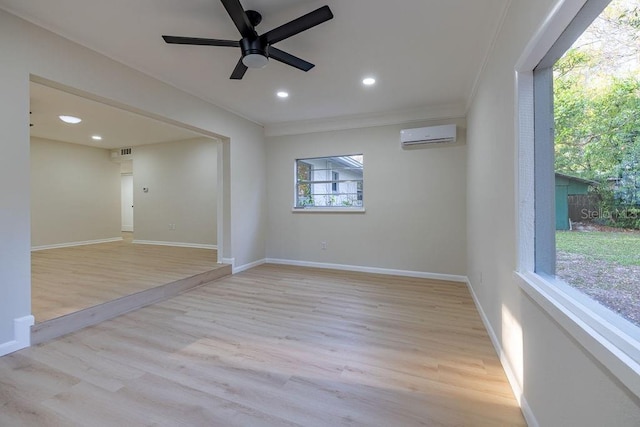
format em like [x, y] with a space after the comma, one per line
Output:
[172, 226]
[323, 246]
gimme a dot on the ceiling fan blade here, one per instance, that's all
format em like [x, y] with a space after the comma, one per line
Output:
[200, 41]
[287, 58]
[239, 17]
[239, 71]
[298, 25]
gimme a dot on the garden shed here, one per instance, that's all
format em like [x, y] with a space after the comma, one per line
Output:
[567, 185]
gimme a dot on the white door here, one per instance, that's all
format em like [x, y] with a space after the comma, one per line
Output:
[127, 202]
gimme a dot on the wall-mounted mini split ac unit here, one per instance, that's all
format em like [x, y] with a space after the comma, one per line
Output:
[122, 154]
[428, 135]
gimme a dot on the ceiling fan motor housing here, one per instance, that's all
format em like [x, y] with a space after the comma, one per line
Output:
[253, 46]
[254, 52]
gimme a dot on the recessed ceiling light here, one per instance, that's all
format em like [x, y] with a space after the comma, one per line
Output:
[283, 94]
[96, 138]
[70, 119]
[369, 81]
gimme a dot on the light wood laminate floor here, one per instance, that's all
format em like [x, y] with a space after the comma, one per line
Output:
[272, 346]
[66, 280]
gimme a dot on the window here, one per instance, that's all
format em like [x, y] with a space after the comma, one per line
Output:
[587, 91]
[544, 118]
[330, 182]
[597, 124]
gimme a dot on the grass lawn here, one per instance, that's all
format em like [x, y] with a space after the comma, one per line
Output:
[604, 265]
[621, 248]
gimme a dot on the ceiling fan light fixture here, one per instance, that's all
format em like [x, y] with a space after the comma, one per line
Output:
[255, 60]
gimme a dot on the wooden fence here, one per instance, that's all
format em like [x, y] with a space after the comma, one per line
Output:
[583, 207]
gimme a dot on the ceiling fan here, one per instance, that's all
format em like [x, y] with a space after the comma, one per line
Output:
[257, 49]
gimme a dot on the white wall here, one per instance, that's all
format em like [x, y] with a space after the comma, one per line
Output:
[29, 50]
[126, 167]
[15, 226]
[560, 383]
[414, 201]
[75, 193]
[182, 180]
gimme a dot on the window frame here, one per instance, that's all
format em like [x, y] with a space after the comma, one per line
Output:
[333, 189]
[609, 338]
[309, 174]
[335, 178]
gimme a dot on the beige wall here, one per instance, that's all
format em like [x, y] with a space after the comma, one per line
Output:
[414, 200]
[182, 181]
[560, 383]
[75, 193]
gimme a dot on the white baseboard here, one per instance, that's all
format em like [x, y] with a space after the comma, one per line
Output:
[21, 335]
[70, 244]
[176, 244]
[247, 266]
[515, 386]
[374, 270]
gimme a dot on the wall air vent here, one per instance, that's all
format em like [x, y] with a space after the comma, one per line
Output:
[122, 154]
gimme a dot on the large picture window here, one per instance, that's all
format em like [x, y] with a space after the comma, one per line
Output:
[597, 161]
[587, 197]
[330, 182]
[585, 102]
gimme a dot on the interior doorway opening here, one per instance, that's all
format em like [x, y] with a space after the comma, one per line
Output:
[126, 202]
[88, 248]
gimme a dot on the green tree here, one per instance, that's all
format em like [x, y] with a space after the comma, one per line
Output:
[597, 106]
[615, 125]
[573, 111]
[627, 190]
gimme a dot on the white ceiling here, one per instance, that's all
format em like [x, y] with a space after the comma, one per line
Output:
[423, 53]
[118, 128]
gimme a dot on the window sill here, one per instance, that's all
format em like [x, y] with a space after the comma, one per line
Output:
[328, 210]
[606, 341]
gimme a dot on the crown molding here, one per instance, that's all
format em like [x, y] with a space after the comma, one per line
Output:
[488, 52]
[432, 112]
